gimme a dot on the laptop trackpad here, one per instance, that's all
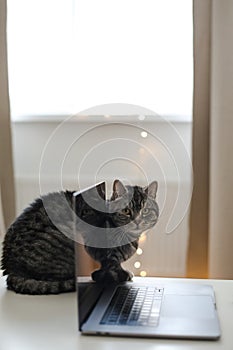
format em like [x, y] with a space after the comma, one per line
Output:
[186, 306]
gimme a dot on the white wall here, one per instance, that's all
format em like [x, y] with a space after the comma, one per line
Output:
[117, 151]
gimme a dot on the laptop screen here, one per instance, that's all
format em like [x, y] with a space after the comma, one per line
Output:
[89, 221]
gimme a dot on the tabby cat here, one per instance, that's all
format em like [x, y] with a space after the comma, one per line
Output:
[38, 257]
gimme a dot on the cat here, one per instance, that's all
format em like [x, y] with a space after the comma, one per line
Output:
[133, 210]
[38, 256]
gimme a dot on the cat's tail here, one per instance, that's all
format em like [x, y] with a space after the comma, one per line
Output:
[24, 285]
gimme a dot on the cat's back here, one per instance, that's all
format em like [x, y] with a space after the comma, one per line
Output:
[41, 213]
[35, 228]
[38, 258]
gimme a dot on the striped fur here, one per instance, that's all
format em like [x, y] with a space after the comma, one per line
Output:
[132, 211]
[38, 258]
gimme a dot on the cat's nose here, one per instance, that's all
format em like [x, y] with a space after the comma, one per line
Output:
[137, 221]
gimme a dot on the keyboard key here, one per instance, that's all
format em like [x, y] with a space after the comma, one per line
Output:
[134, 306]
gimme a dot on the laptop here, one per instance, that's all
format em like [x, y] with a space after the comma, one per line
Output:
[145, 307]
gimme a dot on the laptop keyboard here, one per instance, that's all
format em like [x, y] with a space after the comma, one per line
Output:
[133, 306]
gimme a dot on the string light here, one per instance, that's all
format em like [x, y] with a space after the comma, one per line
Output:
[142, 238]
[139, 251]
[144, 134]
[137, 265]
[141, 117]
[143, 273]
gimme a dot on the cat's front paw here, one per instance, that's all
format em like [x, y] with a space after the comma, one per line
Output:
[111, 276]
[126, 275]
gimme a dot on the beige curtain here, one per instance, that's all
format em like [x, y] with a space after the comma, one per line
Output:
[2, 224]
[211, 219]
[7, 199]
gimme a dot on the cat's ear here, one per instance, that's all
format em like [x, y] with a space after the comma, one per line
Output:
[118, 189]
[151, 190]
[101, 190]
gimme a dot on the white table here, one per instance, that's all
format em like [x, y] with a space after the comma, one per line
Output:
[50, 323]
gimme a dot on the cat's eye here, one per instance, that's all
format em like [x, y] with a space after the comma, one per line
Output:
[126, 211]
[145, 211]
[87, 211]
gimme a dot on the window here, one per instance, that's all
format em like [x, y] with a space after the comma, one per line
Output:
[69, 55]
